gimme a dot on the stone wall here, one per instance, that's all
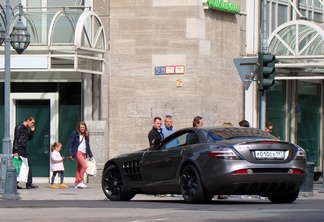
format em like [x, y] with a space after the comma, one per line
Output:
[144, 34]
[99, 146]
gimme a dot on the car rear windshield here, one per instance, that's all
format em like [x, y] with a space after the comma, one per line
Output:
[238, 133]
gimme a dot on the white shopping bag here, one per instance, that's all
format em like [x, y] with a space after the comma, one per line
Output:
[24, 169]
[91, 167]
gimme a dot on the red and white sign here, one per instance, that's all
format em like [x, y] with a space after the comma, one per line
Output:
[169, 70]
[175, 69]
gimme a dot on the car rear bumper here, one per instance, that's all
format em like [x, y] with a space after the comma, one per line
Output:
[261, 184]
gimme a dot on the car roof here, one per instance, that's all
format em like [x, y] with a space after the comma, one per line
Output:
[229, 132]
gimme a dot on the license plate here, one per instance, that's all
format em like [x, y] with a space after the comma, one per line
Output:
[269, 154]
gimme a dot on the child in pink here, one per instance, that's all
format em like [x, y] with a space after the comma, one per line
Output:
[57, 165]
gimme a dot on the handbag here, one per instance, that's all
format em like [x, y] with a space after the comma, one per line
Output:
[24, 170]
[91, 167]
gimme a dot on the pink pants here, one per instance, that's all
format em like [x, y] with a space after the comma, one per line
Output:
[81, 168]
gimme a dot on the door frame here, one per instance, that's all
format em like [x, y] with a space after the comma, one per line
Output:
[54, 117]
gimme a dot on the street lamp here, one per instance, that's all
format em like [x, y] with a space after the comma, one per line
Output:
[19, 39]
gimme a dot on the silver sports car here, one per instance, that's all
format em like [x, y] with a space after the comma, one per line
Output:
[199, 163]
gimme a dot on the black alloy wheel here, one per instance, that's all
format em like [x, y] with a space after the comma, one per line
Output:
[112, 185]
[191, 188]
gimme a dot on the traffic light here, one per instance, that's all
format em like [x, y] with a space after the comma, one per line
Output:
[266, 70]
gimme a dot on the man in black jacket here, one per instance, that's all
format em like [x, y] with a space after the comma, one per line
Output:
[21, 138]
[156, 131]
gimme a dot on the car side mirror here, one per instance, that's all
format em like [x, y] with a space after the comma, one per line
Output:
[156, 143]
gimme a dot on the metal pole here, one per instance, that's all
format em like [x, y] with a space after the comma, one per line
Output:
[264, 48]
[264, 34]
[10, 189]
[263, 110]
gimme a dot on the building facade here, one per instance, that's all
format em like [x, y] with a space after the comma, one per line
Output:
[118, 64]
[55, 79]
[294, 32]
[149, 41]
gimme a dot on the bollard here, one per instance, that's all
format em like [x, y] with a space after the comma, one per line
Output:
[307, 189]
[3, 168]
[11, 185]
[322, 191]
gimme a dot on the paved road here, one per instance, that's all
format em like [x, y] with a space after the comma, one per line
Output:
[90, 204]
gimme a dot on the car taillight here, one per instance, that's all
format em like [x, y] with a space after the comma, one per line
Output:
[243, 171]
[301, 154]
[224, 153]
[295, 171]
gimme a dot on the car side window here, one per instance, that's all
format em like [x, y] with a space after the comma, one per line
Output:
[192, 138]
[176, 142]
[211, 137]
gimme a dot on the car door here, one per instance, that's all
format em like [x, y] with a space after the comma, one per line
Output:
[161, 163]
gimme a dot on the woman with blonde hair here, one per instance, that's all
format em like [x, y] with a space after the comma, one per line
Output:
[79, 148]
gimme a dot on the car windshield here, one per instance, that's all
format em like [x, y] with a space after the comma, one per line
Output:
[235, 133]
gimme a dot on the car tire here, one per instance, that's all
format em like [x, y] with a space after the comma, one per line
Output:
[112, 185]
[284, 198]
[191, 187]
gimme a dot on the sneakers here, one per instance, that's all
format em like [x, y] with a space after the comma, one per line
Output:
[62, 185]
[53, 186]
[80, 186]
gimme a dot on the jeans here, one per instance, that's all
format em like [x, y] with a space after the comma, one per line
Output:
[61, 172]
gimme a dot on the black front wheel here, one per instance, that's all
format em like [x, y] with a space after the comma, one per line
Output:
[191, 187]
[112, 185]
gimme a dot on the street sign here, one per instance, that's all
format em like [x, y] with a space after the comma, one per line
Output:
[246, 68]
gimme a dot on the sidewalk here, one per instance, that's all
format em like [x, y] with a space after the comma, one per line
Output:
[44, 192]
[94, 192]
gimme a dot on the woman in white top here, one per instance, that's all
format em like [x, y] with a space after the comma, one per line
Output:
[79, 148]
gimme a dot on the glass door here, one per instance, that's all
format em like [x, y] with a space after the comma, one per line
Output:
[309, 120]
[276, 109]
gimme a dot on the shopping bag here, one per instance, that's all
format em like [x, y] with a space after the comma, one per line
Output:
[16, 161]
[91, 167]
[24, 169]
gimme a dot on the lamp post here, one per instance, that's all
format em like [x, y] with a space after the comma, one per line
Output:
[19, 39]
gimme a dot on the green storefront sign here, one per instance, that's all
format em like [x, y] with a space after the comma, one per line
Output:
[224, 5]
